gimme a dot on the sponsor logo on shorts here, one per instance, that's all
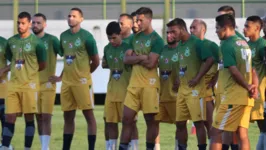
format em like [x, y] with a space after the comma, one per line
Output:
[195, 93]
[83, 81]
[32, 85]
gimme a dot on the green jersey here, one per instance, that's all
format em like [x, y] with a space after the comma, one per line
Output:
[191, 53]
[120, 74]
[3, 61]
[240, 35]
[77, 47]
[129, 39]
[143, 45]
[25, 56]
[52, 47]
[236, 52]
[168, 73]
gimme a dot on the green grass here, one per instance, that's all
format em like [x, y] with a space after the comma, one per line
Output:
[80, 137]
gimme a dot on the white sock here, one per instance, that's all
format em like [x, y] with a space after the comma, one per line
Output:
[134, 144]
[260, 142]
[157, 146]
[264, 141]
[107, 145]
[112, 144]
[26, 148]
[209, 140]
[176, 145]
[40, 137]
[45, 142]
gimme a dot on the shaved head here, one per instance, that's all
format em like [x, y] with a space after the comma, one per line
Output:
[198, 28]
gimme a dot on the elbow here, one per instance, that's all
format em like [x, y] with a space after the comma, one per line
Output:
[210, 61]
[125, 60]
[151, 65]
[42, 66]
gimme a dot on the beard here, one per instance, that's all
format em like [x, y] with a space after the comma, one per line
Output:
[37, 31]
[171, 42]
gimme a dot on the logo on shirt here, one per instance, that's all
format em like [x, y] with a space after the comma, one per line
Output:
[32, 85]
[241, 43]
[148, 43]
[70, 45]
[182, 71]
[77, 42]
[121, 55]
[13, 46]
[166, 61]
[115, 60]
[195, 93]
[187, 52]
[27, 47]
[83, 81]
[45, 45]
[48, 85]
[175, 58]
[253, 51]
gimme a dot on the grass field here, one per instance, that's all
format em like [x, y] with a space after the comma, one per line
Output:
[80, 138]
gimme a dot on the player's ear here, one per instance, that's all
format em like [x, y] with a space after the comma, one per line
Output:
[82, 19]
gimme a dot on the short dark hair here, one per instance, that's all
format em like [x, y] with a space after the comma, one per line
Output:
[133, 14]
[226, 20]
[144, 11]
[256, 19]
[79, 10]
[40, 15]
[126, 15]
[113, 28]
[228, 9]
[24, 14]
[177, 22]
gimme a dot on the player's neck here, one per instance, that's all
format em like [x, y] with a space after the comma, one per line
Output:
[40, 35]
[25, 35]
[202, 37]
[185, 37]
[148, 31]
[75, 29]
[125, 35]
[230, 33]
[254, 38]
[172, 45]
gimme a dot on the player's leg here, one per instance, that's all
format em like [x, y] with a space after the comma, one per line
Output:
[130, 109]
[83, 96]
[12, 108]
[29, 130]
[106, 132]
[182, 115]
[209, 115]
[134, 143]
[216, 139]
[69, 107]
[2, 116]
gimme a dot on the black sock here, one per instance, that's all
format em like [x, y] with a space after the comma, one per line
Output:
[234, 146]
[9, 129]
[91, 140]
[150, 146]
[202, 146]
[225, 147]
[123, 146]
[2, 118]
[67, 139]
[182, 147]
[29, 133]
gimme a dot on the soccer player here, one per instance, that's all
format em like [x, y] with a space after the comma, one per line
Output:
[118, 82]
[168, 76]
[27, 55]
[194, 62]
[198, 28]
[257, 45]
[47, 92]
[135, 27]
[230, 10]
[240, 85]
[142, 92]
[81, 59]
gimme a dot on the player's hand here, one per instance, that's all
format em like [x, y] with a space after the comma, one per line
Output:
[55, 79]
[176, 86]
[211, 84]
[193, 82]
[253, 91]
[134, 54]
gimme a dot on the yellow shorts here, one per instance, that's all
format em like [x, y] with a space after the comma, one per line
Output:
[45, 102]
[114, 111]
[230, 117]
[3, 90]
[145, 99]
[190, 107]
[257, 112]
[167, 112]
[77, 97]
[21, 102]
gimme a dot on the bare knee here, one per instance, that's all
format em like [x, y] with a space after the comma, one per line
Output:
[11, 118]
[89, 115]
[181, 125]
[199, 125]
[69, 116]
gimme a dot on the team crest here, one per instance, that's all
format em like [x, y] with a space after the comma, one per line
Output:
[70, 45]
[110, 56]
[166, 61]
[77, 42]
[45, 45]
[115, 60]
[253, 52]
[13, 46]
[181, 56]
[175, 58]
[27, 47]
[187, 52]
[32, 85]
[148, 43]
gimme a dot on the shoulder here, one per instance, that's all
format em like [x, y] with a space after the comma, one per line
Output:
[66, 32]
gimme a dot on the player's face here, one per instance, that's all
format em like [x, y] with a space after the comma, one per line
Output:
[264, 27]
[196, 28]
[170, 36]
[135, 25]
[125, 24]
[24, 25]
[74, 18]
[143, 22]
[115, 40]
[38, 24]
[250, 28]
[220, 32]
[177, 33]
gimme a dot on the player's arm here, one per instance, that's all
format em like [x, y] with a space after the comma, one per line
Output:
[213, 81]
[93, 53]
[131, 58]
[6, 68]
[41, 55]
[57, 47]
[104, 61]
[206, 56]
[154, 55]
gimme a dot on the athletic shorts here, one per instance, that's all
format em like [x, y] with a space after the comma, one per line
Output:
[167, 113]
[45, 102]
